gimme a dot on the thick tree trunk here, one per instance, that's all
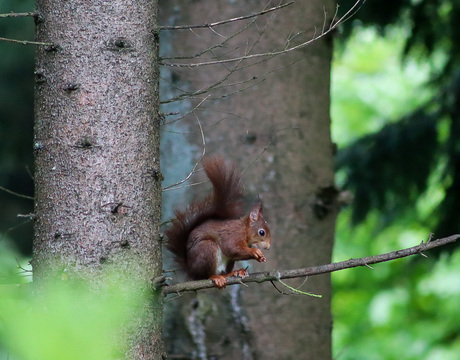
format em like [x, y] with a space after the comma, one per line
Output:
[278, 129]
[97, 175]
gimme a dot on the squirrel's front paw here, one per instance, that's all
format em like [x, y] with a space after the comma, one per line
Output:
[258, 255]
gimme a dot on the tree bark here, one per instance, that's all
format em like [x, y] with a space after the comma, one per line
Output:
[97, 174]
[278, 130]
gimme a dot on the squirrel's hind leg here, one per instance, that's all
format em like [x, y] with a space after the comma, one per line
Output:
[202, 259]
[221, 280]
[206, 260]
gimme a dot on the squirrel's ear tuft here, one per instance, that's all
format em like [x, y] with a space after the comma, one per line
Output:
[256, 212]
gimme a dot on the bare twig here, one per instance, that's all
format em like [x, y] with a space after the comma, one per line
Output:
[16, 194]
[325, 31]
[22, 42]
[9, 15]
[195, 108]
[177, 185]
[210, 49]
[30, 217]
[217, 23]
[221, 82]
[25, 42]
[188, 95]
[275, 275]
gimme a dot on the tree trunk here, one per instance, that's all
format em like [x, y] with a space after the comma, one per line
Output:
[278, 130]
[97, 174]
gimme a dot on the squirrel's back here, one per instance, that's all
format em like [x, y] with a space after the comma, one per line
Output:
[224, 203]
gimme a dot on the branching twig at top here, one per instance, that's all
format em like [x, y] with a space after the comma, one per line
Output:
[213, 47]
[189, 94]
[324, 32]
[221, 83]
[230, 71]
[217, 23]
[275, 275]
[252, 81]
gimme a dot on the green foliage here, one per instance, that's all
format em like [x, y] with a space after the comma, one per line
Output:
[380, 156]
[390, 168]
[405, 309]
[379, 13]
[370, 85]
[397, 133]
[65, 320]
[10, 263]
[432, 26]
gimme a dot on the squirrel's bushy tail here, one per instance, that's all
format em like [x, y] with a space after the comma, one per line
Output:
[224, 203]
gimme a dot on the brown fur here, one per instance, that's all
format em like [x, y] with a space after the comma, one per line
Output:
[224, 203]
[210, 235]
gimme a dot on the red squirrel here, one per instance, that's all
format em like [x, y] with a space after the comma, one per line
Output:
[210, 235]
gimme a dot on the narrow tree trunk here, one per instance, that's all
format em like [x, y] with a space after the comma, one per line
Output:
[273, 119]
[97, 173]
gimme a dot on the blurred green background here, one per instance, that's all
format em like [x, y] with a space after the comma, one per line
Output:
[396, 123]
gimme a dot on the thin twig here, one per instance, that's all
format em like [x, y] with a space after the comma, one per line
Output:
[220, 82]
[203, 139]
[217, 23]
[25, 42]
[210, 49]
[252, 81]
[16, 194]
[275, 275]
[9, 15]
[315, 37]
[195, 108]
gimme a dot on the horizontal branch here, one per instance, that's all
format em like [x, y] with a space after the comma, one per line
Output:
[223, 22]
[275, 275]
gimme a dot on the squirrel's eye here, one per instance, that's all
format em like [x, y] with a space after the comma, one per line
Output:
[262, 232]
